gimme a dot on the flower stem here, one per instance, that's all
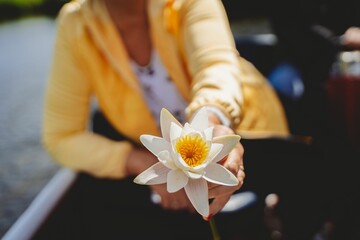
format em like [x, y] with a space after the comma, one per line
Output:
[214, 230]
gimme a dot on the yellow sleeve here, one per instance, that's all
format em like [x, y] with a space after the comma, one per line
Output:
[209, 48]
[66, 110]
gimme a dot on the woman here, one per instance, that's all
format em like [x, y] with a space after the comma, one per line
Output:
[136, 57]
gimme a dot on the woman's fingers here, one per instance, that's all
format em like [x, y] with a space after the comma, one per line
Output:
[172, 201]
[216, 205]
[234, 163]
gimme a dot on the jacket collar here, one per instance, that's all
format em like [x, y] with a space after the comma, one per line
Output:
[100, 24]
[163, 18]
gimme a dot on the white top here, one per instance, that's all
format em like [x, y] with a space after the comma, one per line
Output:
[159, 90]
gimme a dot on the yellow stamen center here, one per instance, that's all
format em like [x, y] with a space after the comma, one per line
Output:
[193, 149]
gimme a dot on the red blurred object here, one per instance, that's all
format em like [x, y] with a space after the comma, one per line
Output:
[344, 107]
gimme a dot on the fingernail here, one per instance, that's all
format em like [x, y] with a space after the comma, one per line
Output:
[209, 217]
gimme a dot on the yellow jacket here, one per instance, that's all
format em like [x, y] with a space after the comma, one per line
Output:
[196, 46]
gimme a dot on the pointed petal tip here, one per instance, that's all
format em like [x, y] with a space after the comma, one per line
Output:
[156, 174]
[176, 180]
[138, 181]
[200, 120]
[166, 118]
[197, 192]
[164, 111]
[218, 174]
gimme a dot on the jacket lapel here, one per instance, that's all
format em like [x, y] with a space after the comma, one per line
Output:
[100, 25]
[163, 17]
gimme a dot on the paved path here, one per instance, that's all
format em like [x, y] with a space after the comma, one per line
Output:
[25, 168]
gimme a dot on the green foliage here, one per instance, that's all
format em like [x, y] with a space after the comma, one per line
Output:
[22, 2]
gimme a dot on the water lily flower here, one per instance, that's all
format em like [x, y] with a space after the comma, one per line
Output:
[188, 157]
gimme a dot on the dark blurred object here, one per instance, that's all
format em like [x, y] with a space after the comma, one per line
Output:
[14, 10]
[293, 169]
[259, 49]
[50, 7]
[10, 11]
[239, 10]
[287, 81]
[308, 34]
[308, 37]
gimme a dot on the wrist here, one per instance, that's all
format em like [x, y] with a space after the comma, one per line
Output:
[138, 160]
[217, 117]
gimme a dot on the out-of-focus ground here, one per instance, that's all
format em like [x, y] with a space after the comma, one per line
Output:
[25, 168]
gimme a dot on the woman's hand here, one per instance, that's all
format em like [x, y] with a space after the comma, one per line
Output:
[172, 201]
[234, 163]
[138, 161]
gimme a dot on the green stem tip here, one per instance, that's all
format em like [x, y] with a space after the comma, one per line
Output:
[214, 230]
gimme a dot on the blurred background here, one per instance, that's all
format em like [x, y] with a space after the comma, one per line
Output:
[26, 40]
[27, 29]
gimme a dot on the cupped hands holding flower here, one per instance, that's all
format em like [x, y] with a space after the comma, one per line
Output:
[190, 157]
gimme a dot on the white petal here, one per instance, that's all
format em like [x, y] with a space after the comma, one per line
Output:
[176, 180]
[166, 118]
[218, 174]
[165, 158]
[209, 133]
[214, 151]
[229, 142]
[187, 129]
[180, 163]
[155, 144]
[194, 175]
[200, 121]
[175, 131]
[197, 192]
[200, 169]
[174, 155]
[156, 174]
